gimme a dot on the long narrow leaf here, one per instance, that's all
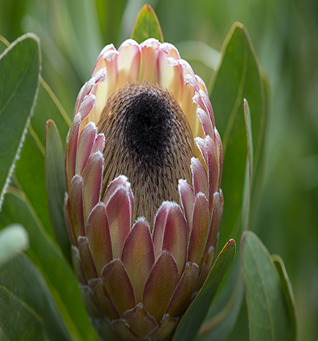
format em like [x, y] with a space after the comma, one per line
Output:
[55, 187]
[267, 310]
[237, 78]
[288, 294]
[19, 80]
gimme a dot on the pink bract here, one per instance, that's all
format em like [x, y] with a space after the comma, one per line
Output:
[137, 278]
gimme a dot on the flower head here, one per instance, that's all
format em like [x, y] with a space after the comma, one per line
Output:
[143, 207]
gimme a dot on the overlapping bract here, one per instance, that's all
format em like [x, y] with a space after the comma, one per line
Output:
[138, 277]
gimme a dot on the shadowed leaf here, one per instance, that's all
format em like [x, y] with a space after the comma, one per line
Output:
[45, 253]
[267, 310]
[288, 294]
[24, 293]
[194, 316]
[237, 78]
[55, 187]
[223, 313]
[220, 321]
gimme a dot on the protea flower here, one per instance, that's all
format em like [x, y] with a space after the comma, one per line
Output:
[143, 206]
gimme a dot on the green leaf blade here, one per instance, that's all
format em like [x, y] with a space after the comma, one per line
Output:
[238, 77]
[146, 26]
[247, 187]
[288, 294]
[23, 293]
[45, 253]
[19, 80]
[267, 310]
[30, 168]
[194, 316]
[56, 187]
[222, 315]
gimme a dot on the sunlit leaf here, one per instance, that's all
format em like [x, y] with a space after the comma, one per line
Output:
[12, 238]
[267, 310]
[19, 80]
[55, 187]
[146, 26]
[24, 294]
[45, 253]
[237, 78]
[288, 294]
[193, 317]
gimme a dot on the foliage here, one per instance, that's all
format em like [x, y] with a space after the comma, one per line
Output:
[238, 77]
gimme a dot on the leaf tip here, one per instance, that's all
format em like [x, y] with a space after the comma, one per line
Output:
[146, 13]
[148, 8]
[231, 244]
[239, 25]
[49, 123]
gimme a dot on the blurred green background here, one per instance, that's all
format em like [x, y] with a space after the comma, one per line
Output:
[284, 34]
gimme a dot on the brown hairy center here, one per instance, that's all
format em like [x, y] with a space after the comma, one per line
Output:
[149, 140]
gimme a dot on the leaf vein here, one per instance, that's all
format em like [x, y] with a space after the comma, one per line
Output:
[22, 303]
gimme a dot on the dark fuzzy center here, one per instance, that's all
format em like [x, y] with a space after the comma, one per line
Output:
[148, 128]
[149, 140]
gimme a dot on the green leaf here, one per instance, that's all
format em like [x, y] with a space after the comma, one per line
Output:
[222, 317]
[146, 26]
[288, 294]
[30, 169]
[55, 187]
[19, 80]
[193, 317]
[45, 253]
[258, 175]
[3, 336]
[12, 238]
[223, 313]
[267, 311]
[247, 188]
[238, 77]
[27, 309]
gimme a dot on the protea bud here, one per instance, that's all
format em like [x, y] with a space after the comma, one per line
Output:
[143, 206]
